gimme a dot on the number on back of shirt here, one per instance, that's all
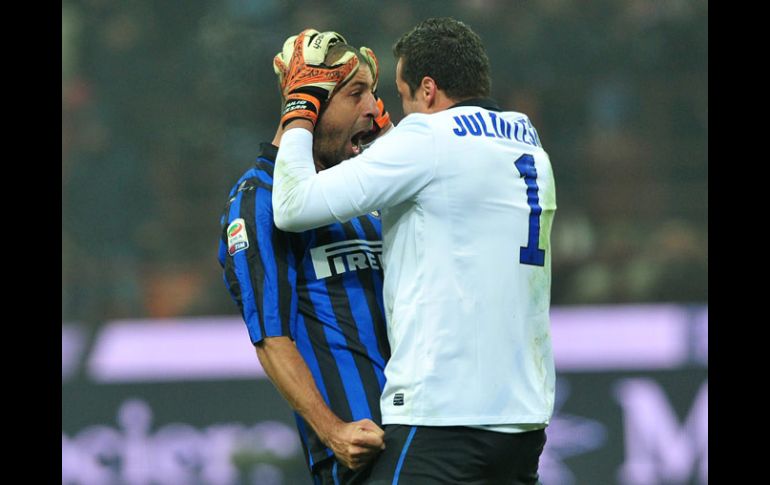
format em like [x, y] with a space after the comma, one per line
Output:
[531, 254]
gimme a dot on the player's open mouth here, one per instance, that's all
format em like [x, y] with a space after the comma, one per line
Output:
[355, 141]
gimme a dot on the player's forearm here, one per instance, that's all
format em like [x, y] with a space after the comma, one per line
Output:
[298, 204]
[287, 370]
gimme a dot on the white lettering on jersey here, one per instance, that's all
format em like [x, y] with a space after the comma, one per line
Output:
[340, 257]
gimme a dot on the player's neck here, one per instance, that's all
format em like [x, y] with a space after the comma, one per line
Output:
[278, 135]
[440, 102]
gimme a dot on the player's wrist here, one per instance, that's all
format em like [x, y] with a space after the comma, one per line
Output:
[298, 122]
[300, 106]
[329, 431]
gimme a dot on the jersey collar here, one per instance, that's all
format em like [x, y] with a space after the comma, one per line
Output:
[268, 151]
[486, 103]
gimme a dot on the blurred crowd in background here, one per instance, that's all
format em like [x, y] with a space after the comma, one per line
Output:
[164, 104]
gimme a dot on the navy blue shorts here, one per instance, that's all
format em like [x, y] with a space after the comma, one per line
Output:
[426, 455]
[331, 472]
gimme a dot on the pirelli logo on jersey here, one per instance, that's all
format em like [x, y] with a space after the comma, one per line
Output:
[341, 257]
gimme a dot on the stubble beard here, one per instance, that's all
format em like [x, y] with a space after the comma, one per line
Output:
[326, 152]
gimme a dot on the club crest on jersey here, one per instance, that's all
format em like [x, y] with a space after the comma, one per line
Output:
[237, 240]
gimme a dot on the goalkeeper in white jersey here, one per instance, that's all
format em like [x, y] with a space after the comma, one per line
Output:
[467, 198]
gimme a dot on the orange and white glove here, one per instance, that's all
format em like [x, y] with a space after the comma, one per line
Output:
[306, 81]
[382, 121]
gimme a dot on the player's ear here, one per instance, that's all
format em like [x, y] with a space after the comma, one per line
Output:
[427, 90]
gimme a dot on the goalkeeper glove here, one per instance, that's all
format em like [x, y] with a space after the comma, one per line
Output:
[382, 121]
[306, 81]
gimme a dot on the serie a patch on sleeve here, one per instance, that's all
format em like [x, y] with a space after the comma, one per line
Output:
[237, 240]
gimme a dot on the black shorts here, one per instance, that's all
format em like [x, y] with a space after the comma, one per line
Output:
[425, 455]
[331, 472]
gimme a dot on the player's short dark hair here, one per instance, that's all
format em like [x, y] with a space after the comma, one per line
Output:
[337, 50]
[448, 51]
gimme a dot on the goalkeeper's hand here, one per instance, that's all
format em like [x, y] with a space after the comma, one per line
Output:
[306, 81]
[382, 121]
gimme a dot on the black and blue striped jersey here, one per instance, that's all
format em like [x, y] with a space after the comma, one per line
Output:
[322, 288]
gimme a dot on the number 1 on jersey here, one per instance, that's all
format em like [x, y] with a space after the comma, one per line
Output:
[531, 254]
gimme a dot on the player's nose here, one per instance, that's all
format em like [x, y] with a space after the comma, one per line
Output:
[370, 106]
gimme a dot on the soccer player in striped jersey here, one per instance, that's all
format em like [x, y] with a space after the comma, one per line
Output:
[312, 301]
[467, 197]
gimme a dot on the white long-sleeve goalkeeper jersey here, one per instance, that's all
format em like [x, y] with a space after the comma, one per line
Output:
[467, 200]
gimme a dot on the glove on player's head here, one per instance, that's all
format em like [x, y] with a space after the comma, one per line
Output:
[383, 118]
[306, 80]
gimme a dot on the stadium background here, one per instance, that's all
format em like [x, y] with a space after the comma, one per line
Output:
[163, 107]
